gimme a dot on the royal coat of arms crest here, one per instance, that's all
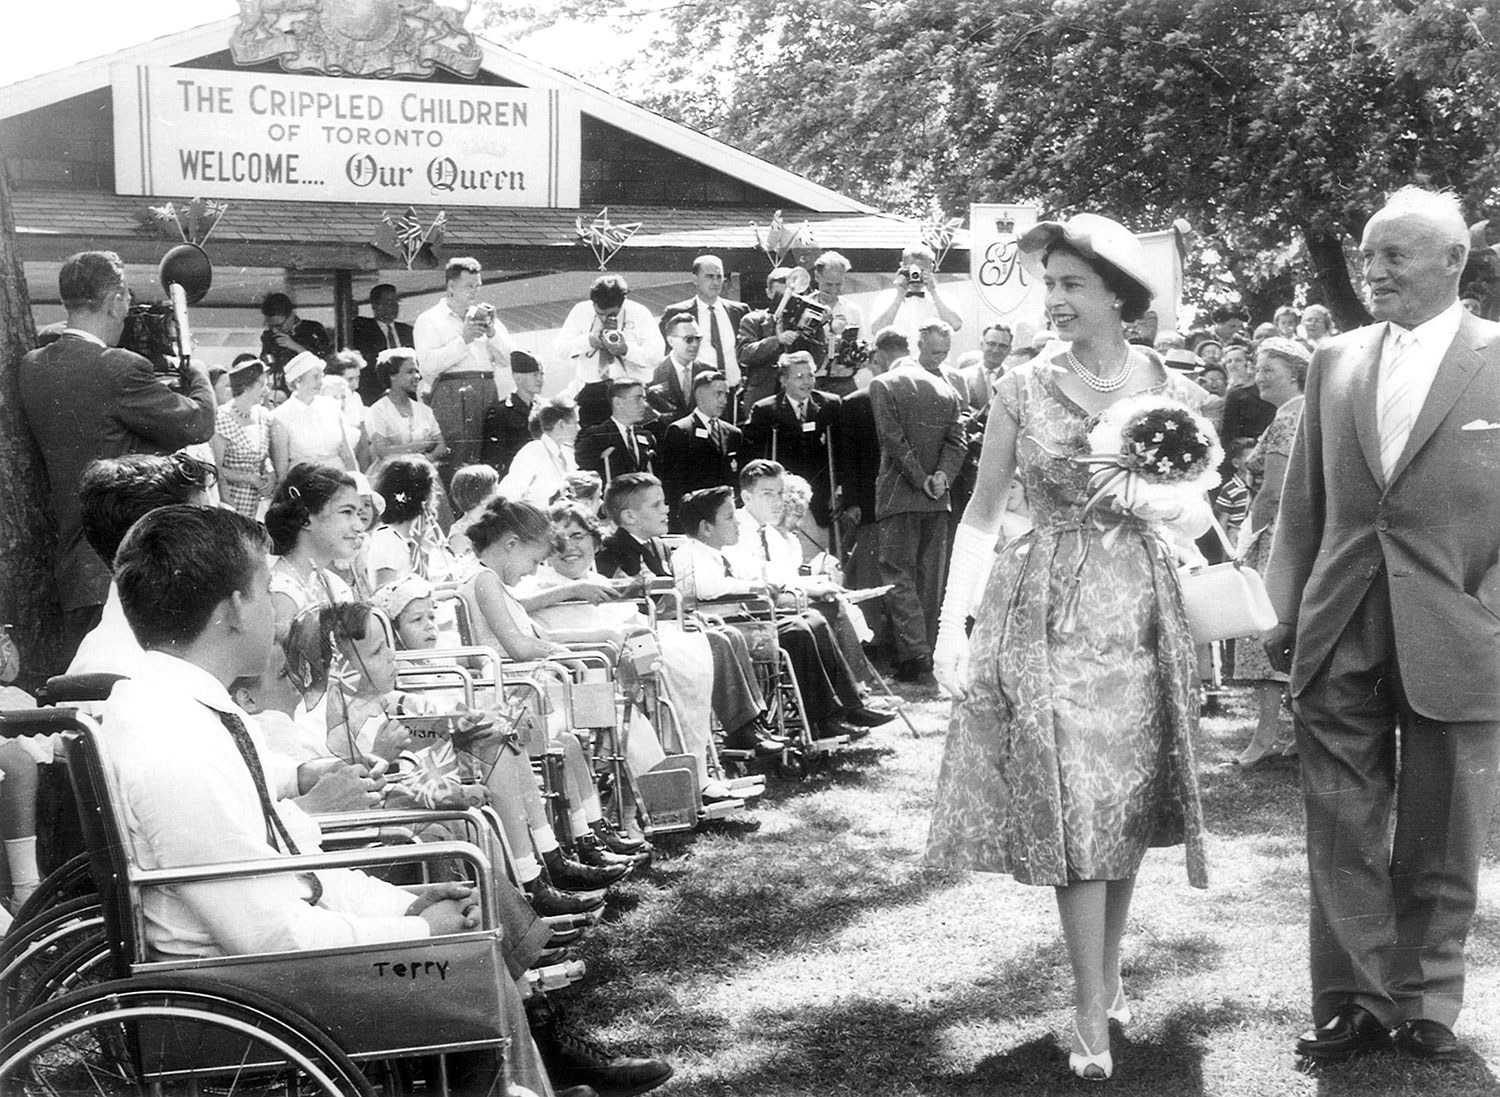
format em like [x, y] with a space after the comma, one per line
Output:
[372, 38]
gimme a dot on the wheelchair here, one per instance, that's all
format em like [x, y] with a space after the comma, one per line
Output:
[598, 689]
[300, 1021]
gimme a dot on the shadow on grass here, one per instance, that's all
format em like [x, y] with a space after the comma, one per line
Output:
[1392, 1073]
[940, 1048]
[726, 901]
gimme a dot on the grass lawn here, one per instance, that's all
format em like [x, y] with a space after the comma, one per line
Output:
[818, 955]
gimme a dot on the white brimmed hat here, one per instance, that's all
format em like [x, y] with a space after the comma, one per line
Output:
[1094, 237]
[300, 366]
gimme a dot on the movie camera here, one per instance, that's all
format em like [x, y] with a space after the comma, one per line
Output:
[160, 332]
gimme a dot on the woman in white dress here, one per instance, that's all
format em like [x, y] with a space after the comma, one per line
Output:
[308, 428]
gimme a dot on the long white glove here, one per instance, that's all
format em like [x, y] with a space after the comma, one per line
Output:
[968, 572]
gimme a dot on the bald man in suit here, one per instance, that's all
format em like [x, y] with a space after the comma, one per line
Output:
[1385, 575]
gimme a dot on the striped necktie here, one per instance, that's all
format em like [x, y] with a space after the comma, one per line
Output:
[275, 828]
[1396, 413]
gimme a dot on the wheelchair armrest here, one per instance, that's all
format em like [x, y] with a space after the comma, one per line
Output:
[472, 819]
[62, 689]
[310, 862]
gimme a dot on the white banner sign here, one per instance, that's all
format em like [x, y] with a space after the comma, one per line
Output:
[1008, 293]
[244, 135]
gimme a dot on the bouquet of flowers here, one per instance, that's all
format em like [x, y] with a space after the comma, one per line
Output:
[1155, 456]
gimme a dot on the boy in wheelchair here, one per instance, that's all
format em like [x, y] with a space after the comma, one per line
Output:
[186, 763]
[704, 572]
[637, 504]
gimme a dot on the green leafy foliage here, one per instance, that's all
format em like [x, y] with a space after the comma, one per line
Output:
[1273, 126]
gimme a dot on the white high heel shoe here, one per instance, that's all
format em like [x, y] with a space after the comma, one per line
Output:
[1119, 1009]
[1089, 1067]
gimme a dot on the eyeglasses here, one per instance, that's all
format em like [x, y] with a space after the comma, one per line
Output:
[691, 338]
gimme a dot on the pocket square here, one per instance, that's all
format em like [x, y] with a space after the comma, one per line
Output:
[1480, 424]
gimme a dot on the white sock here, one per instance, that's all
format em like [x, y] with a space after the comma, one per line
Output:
[544, 839]
[578, 819]
[592, 811]
[20, 855]
[527, 868]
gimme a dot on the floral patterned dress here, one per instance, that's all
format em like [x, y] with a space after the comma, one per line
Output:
[1072, 752]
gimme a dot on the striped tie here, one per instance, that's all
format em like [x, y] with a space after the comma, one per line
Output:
[1396, 414]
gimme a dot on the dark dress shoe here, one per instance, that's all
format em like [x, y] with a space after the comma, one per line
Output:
[616, 842]
[749, 737]
[574, 1059]
[835, 726]
[867, 717]
[592, 852]
[1351, 1031]
[580, 873]
[549, 902]
[1425, 1039]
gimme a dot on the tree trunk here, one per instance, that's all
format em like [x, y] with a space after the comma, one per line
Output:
[1331, 273]
[28, 537]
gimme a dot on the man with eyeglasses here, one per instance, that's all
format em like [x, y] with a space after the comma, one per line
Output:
[84, 398]
[672, 384]
[980, 379]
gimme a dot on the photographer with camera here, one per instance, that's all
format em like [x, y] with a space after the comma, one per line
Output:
[286, 336]
[761, 342]
[464, 353]
[607, 338]
[85, 398]
[915, 294]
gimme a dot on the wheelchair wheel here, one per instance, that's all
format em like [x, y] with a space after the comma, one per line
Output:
[72, 879]
[46, 970]
[171, 1036]
[32, 948]
[84, 962]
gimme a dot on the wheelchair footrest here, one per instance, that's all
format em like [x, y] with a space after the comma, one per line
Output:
[669, 795]
[554, 976]
[723, 809]
[747, 788]
[827, 746]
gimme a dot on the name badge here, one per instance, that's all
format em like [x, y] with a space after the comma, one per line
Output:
[700, 433]
[808, 428]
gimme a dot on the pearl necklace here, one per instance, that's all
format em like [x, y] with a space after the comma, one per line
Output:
[1099, 384]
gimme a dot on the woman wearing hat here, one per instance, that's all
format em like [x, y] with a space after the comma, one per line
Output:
[1280, 374]
[308, 428]
[242, 443]
[1070, 750]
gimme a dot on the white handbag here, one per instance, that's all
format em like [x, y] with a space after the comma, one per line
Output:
[1225, 601]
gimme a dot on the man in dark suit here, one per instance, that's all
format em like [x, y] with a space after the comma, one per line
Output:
[761, 343]
[84, 398]
[1385, 578]
[859, 468]
[701, 450]
[507, 425]
[718, 318]
[919, 417]
[672, 383]
[796, 429]
[373, 335]
[619, 444]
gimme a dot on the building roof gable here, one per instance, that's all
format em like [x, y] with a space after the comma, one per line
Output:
[186, 46]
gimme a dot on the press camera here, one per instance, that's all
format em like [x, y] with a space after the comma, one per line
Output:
[159, 332]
